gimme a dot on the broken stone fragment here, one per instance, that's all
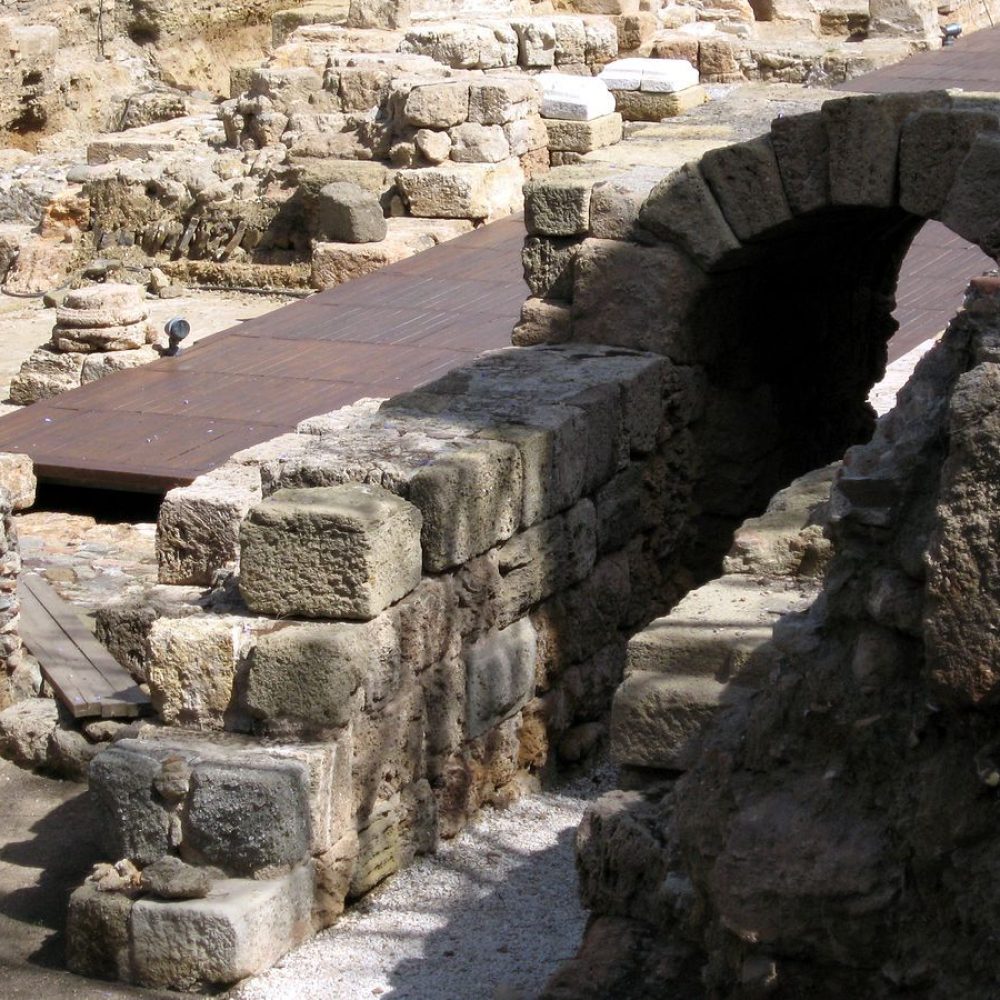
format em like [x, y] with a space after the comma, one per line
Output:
[171, 878]
[331, 552]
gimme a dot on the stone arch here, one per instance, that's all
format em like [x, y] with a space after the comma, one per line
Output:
[771, 266]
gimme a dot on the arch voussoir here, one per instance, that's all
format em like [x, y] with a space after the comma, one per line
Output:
[801, 151]
[972, 205]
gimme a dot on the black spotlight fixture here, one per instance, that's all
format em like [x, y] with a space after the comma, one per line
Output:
[176, 330]
[950, 33]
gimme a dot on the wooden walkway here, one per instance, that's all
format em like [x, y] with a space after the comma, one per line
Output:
[86, 678]
[159, 426]
[153, 428]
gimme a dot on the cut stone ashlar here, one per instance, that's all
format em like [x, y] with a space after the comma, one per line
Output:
[330, 552]
[655, 76]
[574, 98]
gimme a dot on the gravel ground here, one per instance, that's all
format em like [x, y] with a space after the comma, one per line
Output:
[491, 915]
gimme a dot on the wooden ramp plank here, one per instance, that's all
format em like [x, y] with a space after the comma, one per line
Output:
[84, 675]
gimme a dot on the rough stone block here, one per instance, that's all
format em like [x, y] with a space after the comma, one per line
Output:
[536, 43]
[542, 322]
[558, 204]
[972, 206]
[475, 143]
[134, 823]
[242, 927]
[248, 818]
[574, 98]
[97, 935]
[746, 183]
[500, 675]
[346, 213]
[197, 530]
[191, 665]
[463, 190]
[25, 731]
[333, 552]
[17, 477]
[335, 263]
[583, 137]
[46, 373]
[615, 203]
[501, 101]
[316, 677]
[863, 135]
[932, 146]
[98, 366]
[437, 105]
[683, 209]
[470, 500]
[653, 106]
[392, 14]
[465, 45]
[800, 147]
[571, 42]
[548, 266]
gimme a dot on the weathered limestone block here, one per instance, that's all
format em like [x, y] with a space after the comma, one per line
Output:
[90, 340]
[526, 136]
[548, 266]
[128, 147]
[46, 373]
[652, 106]
[746, 183]
[800, 147]
[17, 477]
[464, 44]
[392, 14]
[41, 265]
[470, 500]
[25, 729]
[311, 175]
[634, 30]
[98, 366]
[863, 134]
[336, 552]
[191, 666]
[346, 213]
[437, 105]
[682, 208]
[500, 101]
[583, 137]
[243, 926]
[536, 43]
[433, 146]
[500, 675]
[248, 818]
[475, 143]
[97, 933]
[197, 531]
[542, 322]
[615, 203]
[600, 41]
[571, 41]
[558, 204]
[932, 146]
[316, 677]
[972, 207]
[291, 89]
[134, 820]
[547, 557]
[574, 98]
[639, 297]
[903, 19]
[463, 190]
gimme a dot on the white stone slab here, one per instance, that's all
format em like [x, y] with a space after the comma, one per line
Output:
[574, 98]
[659, 76]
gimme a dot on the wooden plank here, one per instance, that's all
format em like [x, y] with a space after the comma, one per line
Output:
[85, 676]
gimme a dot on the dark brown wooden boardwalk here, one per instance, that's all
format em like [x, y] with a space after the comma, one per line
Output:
[160, 426]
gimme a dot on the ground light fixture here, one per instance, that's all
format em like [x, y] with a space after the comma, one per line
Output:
[176, 330]
[950, 33]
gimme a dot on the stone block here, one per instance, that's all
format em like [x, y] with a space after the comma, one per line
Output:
[600, 41]
[526, 136]
[243, 926]
[746, 183]
[656, 719]
[437, 105]
[191, 665]
[97, 934]
[98, 366]
[653, 106]
[574, 98]
[335, 263]
[932, 146]
[332, 552]
[197, 530]
[536, 43]
[583, 137]
[316, 677]
[558, 204]
[463, 190]
[25, 731]
[464, 44]
[682, 208]
[548, 266]
[391, 14]
[134, 822]
[863, 134]
[500, 675]
[433, 146]
[571, 41]
[17, 477]
[475, 143]
[615, 203]
[659, 76]
[542, 322]
[46, 373]
[128, 147]
[800, 146]
[972, 206]
[346, 213]
[470, 500]
[248, 818]
[545, 558]
[499, 101]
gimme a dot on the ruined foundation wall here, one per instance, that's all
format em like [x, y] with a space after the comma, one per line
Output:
[17, 492]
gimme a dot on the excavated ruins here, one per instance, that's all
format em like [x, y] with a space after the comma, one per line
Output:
[363, 632]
